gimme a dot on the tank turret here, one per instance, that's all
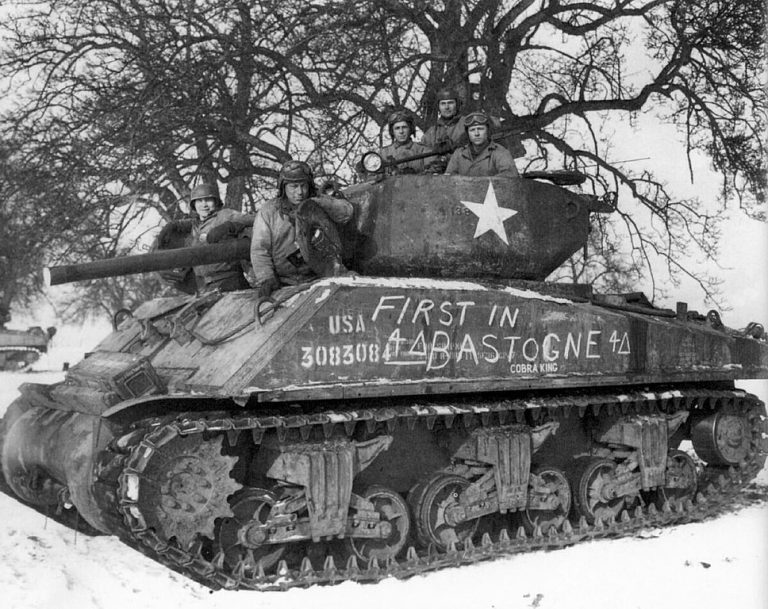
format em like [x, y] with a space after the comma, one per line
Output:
[445, 405]
[463, 227]
[421, 226]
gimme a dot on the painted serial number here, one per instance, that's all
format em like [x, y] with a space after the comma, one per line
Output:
[340, 355]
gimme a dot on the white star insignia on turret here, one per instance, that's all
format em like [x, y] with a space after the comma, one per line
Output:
[489, 215]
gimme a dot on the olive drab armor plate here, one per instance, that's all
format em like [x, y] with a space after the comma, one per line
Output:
[361, 336]
[454, 226]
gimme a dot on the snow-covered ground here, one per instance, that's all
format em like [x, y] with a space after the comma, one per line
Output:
[718, 563]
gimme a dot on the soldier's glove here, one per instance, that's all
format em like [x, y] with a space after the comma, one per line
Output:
[438, 166]
[172, 234]
[265, 288]
[223, 232]
[443, 146]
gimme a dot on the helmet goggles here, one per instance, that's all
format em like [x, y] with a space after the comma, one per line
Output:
[476, 118]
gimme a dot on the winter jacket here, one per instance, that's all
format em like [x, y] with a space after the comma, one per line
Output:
[451, 130]
[275, 252]
[224, 275]
[401, 151]
[493, 160]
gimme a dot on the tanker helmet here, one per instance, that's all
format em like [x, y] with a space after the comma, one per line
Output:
[477, 118]
[447, 93]
[294, 172]
[400, 116]
[204, 191]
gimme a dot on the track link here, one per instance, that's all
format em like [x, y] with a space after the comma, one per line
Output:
[128, 456]
[9, 355]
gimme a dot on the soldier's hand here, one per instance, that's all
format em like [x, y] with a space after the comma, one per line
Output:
[443, 146]
[265, 288]
[173, 232]
[222, 232]
[436, 167]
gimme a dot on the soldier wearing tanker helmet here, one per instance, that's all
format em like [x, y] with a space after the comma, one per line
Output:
[211, 222]
[295, 238]
[401, 128]
[481, 156]
[448, 132]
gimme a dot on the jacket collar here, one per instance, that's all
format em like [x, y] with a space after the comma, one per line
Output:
[212, 215]
[467, 151]
[287, 209]
[407, 144]
[448, 122]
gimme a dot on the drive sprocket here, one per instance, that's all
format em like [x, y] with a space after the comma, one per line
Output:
[185, 487]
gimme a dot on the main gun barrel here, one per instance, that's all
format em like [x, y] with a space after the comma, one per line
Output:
[227, 251]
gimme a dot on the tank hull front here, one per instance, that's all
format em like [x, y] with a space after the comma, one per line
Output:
[49, 455]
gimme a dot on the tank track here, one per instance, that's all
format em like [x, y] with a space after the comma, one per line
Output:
[129, 454]
[8, 351]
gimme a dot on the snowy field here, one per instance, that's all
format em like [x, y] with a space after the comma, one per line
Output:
[715, 564]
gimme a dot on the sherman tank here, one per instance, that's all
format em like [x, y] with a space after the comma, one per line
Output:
[443, 404]
[19, 349]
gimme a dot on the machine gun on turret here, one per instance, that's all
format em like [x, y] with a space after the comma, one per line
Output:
[373, 163]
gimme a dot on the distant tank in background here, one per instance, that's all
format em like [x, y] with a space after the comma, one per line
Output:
[19, 349]
[445, 406]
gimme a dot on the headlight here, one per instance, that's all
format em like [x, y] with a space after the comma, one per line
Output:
[372, 162]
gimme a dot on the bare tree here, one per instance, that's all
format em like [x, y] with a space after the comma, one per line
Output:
[38, 213]
[127, 104]
[556, 71]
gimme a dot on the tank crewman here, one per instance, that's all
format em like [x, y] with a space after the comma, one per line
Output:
[401, 129]
[481, 157]
[448, 132]
[295, 238]
[211, 223]
[449, 129]
[217, 223]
